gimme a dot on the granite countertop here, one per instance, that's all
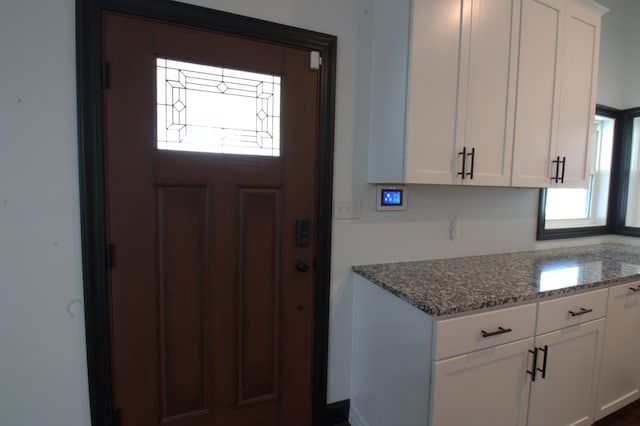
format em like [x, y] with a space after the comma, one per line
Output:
[450, 286]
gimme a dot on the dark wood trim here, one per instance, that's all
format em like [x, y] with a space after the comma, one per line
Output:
[337, 412]
[89, 67]
[324, 199]
[588, 231]
[94, 253]
[619, 175]
[622, 177]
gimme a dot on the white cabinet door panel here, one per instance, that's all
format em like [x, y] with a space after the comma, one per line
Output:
[487, 89]
[489, 387]
[566, 396]
[576, 108]
[620, 372]
[535, 126]
[433, 82]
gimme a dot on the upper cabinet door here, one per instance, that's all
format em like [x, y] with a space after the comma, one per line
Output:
[432, 91]
[487, 90]
[535, 125]
[460, 105]
[483, 92]
[558, 65]
[576, 109]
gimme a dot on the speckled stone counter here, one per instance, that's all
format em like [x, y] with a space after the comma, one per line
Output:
[450, 286]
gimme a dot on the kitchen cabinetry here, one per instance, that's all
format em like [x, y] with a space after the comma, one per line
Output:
[491, 381]
[559, 53]
[443, 93]
[569, 336]
[620, 373]
[448, 120]
[467, 378]
[475, 144]
[532, 364]
[566, 395]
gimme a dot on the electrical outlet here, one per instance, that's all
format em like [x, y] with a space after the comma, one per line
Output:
[455, 227]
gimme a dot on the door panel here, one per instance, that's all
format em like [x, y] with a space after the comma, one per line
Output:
[491, 382]
[566, 395]
[183, 252]
[211, 322]
[258, 294]
[535, 129]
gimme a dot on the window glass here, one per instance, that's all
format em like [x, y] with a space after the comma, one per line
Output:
[220, 110]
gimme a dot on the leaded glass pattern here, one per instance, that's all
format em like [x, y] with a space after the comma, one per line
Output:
[219, 110]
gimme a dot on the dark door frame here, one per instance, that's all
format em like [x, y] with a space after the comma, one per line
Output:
[91, 75]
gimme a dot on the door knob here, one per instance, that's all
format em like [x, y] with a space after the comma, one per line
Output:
[303, 266]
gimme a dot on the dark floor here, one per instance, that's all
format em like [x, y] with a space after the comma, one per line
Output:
[627, 416]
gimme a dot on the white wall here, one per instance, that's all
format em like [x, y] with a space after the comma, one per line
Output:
[618, 83]
[43, 379]
[42, 353]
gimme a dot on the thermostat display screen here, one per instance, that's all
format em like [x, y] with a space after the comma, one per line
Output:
[391, 197]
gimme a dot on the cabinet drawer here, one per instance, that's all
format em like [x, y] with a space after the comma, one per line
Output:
[571, 310]
[479, 331]
[625, 291]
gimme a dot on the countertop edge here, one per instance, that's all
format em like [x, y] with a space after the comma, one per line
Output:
[488, 303]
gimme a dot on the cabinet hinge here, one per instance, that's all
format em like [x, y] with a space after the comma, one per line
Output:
[104, 74]
[109, 256]
[315, 60]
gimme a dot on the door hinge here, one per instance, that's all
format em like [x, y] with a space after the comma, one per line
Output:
[109, 256]
[315, 60]
[104, 74]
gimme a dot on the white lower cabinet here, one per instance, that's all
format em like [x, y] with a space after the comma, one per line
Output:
[569, 341]
[536, 364]
[564, 392]
[488, 387]
[620, 372]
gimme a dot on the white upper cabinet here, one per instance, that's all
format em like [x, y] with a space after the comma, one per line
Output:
[455, 105]
[453, 86]
[556, 93]
[534, 130]
[578, 92]
[485, 91]
[431, 93]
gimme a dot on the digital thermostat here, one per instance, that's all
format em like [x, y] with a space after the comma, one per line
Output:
[391, 197]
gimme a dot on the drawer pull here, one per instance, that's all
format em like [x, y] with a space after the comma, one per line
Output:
[582, 311]
[635, 289]
[500, 330]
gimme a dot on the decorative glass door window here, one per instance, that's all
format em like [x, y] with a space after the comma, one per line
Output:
[217, 110]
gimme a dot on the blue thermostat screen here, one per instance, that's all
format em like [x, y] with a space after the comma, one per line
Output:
[391, 197]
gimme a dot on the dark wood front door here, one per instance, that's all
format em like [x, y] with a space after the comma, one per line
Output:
[211, 301]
